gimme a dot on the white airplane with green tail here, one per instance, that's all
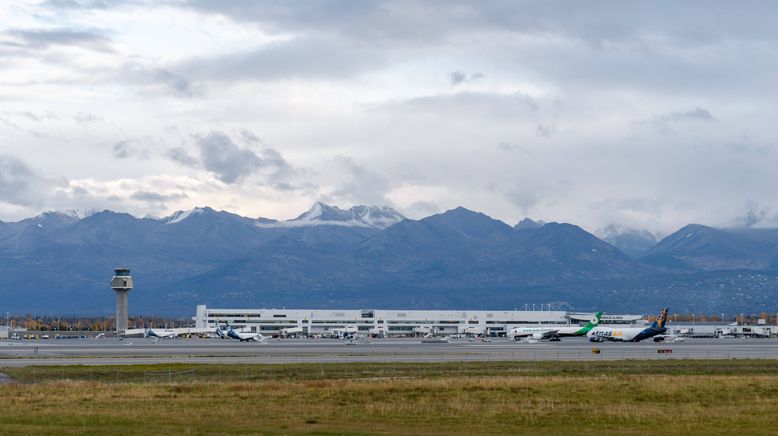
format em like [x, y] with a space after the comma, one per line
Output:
[554, 332]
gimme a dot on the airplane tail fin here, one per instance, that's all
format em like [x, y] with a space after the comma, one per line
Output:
[595, 321]
[662, 319]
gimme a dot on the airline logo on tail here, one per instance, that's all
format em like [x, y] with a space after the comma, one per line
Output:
[660, 322]
[594, 322]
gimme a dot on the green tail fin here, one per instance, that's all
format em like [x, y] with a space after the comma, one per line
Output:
[591, 324]
[595, 321]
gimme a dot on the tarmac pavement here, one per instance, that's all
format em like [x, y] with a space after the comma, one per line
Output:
[148, 351]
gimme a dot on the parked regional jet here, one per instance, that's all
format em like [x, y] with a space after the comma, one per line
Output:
[160, 334]
[630, 334]
[240, 336]
[234, 334]
[554, 332]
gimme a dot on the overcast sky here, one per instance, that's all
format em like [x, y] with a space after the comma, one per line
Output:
[650, 115]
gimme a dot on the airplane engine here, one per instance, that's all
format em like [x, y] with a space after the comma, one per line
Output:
[595, 339]
[537, 336]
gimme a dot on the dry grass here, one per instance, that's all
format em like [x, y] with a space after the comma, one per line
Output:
[446, 404]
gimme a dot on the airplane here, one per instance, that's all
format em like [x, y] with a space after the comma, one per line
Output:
[553, 333]
[629, 334]
[160, 334]
[534, 333]
[231, 333]
[243, 337]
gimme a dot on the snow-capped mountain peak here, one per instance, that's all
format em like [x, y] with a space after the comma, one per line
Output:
[358, 216]
[53, 220]
[182, 215]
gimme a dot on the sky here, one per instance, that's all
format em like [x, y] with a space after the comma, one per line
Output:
[645, 114]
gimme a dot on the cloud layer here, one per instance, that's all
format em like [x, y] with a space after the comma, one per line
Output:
[591, 113]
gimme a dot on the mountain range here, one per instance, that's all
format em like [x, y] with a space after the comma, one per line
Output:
[373, 257]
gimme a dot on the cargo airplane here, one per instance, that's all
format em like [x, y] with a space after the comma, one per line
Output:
[554, 332]
[630, 334]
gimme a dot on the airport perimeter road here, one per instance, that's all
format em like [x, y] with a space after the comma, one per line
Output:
[147, 351]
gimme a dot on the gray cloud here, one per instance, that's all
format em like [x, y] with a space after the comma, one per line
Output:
[696, 114]
[165, 79]
[131, 147]
[321, 56]
[155, 197]
[86, 4]
[524, 196]
[33, 116]
[423, 208]
[85, 118]
[505, 146]
[594, 23]
[181, 155]
[248, 136]
[23, 186]
[668, 123]
[546, 130]
[33, 132]
[359, 185]
[44, 38]
[220, 155]
[177, 83]
[754, 215]
[459, 77]
[470, 105]
[121, 149]
[370, 80]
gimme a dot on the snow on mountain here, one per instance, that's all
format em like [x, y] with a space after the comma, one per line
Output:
[376, 216]
[52, 220]
[182, 215]
[320, 214]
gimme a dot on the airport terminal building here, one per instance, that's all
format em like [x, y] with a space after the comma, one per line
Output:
[326, 322]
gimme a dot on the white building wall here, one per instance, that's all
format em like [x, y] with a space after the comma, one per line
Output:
[394, 322]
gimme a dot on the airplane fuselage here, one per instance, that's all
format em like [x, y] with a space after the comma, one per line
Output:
[629, 334]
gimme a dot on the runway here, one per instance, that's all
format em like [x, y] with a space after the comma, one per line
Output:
[148, 351]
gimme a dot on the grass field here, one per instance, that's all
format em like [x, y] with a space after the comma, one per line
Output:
[629, 397]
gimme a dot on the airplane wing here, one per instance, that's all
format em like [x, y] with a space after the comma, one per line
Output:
[550, 334]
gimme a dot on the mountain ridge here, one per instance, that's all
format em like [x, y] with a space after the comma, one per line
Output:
[456, 259]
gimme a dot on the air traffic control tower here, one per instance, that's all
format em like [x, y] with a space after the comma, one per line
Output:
[122, 284]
